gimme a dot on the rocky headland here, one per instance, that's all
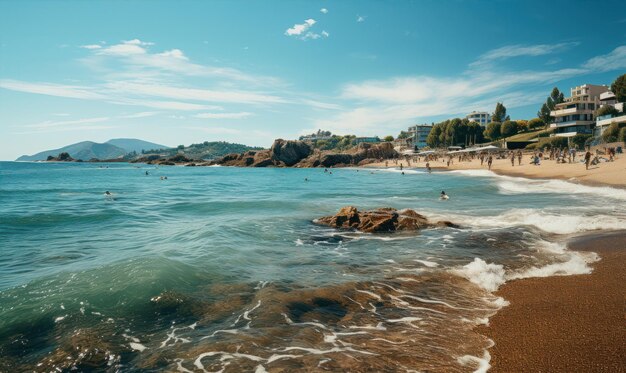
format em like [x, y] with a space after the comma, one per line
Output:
[295, 153]
[382, 220]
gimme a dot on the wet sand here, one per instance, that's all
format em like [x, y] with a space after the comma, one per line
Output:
[566, 323]
[606, 173]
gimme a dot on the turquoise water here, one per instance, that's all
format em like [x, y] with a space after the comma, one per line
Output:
[222, 268]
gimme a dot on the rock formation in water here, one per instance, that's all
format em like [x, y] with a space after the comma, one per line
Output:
[62, 157]
[293, 153]
[380, 220]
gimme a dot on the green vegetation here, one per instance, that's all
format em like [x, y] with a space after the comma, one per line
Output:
[509, 128]
[388, 138]
[581, 140]
[610, 134]
[493, 131]
[527, 136]
[556, 97]
[205, 150]
[622, 135]
[335, 142]
[618, 87]
[499, 115]
[535, 123]
[454, 132]
[607, 110]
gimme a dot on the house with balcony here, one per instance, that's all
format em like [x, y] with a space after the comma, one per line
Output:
[481, 117]
[603, 122]
[577, 113]
[418, 133]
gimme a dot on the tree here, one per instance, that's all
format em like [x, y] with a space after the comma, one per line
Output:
[509, 128]
[619, 88]
[607, 110]
[388, 138]
[493, 130]
[622, 135]
[556, 97]
[536, 123]
[610, 134]
[180, 147]
[499, 115]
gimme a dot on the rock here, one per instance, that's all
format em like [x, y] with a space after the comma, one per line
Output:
[62, 157]
[380, 220]
[289, 152]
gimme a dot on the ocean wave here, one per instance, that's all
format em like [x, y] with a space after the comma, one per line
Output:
[547, 221]
[521, 185]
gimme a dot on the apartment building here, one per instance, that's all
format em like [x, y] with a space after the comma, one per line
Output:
[577, 113]
[481, 117]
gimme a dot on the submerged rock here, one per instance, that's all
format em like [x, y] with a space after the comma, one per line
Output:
[380, 220]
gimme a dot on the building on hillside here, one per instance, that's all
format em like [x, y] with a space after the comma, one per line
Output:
[319, 135]
[577, 113]
[603, 122]
[418, 133]
[480, 117]
[359, 140]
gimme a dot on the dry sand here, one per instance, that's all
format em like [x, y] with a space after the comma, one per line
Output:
[566, 323]
[606, 173]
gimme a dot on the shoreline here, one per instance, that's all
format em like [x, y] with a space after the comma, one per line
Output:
[565, 323]
[612, 174]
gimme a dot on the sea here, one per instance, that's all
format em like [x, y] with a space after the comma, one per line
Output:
[220, 269]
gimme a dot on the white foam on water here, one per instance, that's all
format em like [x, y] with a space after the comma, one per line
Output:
[373, 295]
[577, 264]
[520, 185]
[137, 346]
[488, 276]
[60, 318]
[482, 364]
[299, 242]
[260, 369]
[426, 263]
[547, 221]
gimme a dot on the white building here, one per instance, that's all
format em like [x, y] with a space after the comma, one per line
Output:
[602, 123]
[418, 133]
[577, 113]
[481, 117]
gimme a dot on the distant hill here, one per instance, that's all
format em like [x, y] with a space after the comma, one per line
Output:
[135, 145]
[206, 150]
[82, 150]
[133, 148]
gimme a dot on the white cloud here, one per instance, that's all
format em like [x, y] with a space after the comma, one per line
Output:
[324, 10]
[299, 29]
[360, 18]
[51, 89]
[223, 115]
[91, 46]
[216, 130]
[615, 60]
[142, 114]
[325, 34]
[520, 50]
[64, 123]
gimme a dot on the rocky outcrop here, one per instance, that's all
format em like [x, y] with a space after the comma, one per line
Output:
[62, 157]
[289, 152]
[380, 220]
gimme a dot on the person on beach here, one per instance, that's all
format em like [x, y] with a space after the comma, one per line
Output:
[587, 159]
[400, 166]
[512, 159]
[489, 161]
[519, 157]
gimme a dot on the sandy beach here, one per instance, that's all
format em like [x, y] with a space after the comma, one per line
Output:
[605, 173]
[565, 323]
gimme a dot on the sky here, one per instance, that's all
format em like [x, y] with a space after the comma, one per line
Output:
[182, 72]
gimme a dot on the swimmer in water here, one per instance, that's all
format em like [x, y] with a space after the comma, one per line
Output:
[147, 173]
[443, 195]
[306, 179]
[107, 193]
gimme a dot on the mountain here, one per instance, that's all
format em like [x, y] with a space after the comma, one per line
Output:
[135, 145]
[84, 150]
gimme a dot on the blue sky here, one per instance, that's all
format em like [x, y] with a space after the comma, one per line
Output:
[177, 72]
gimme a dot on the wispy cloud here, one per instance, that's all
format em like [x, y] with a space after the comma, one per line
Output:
[142, 114]
[378, 106]
[519, 50]
[324, 10]
[360, 18]
[615, 60]
[48, 123]
[223, 115]
[91, 46]
[51, 89]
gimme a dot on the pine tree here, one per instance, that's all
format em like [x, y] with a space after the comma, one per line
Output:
[499, 115]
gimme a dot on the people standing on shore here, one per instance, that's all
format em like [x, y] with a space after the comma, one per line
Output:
[512, 159]
[587, 159]
[489, 161]
[519, 157]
